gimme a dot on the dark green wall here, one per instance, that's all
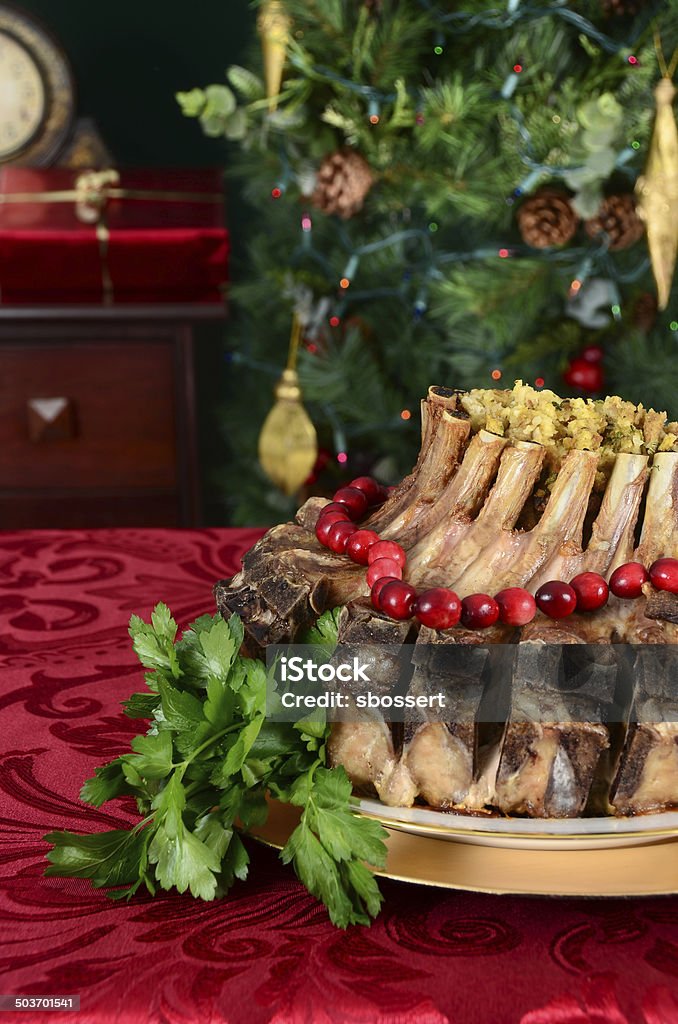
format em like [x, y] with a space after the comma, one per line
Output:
[131, 56]
[129, 59]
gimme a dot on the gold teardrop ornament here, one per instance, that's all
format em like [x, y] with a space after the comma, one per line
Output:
[657, 189]
[288, 443]
[273, 24]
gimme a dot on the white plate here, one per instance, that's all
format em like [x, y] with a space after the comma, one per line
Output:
[526, 833]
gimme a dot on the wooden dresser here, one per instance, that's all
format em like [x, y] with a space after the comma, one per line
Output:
[97, 416]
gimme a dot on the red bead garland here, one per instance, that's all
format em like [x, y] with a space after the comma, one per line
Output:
[325, 524]
[337, 538]
[556, 599]
[359, 545]
[397, 599]
[373, 491]
[479, 611]
[517, 606]
[592, 591]
[440, 607]
[664, 574]
[627, 581]
[354, 499]
[387, 549]
[375, 593]
[383, 567]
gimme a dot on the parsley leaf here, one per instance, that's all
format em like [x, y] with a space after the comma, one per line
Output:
[185, 862]
[330, 844]
[106, 858]
[238, 749]
[181, 711]
[154, 644]
[203, 771]
[141, 705]
[325, 631]
[152, 757]
[219, 648]
[108, 782]
[319, 873]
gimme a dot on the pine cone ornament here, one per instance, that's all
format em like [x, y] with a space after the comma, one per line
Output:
[620, 8]
[344, 179]
[617, 217]
[546, 219]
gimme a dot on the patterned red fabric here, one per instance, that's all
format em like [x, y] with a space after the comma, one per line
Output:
[267, 953]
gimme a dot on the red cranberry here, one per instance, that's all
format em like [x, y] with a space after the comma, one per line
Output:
[397, 599]
[438, 608]
[375, 593]
[591, 589]
[325, 524]
[355, 501]
[337, 538]
[387, 549]
[627, 581]
[334, 506]
[517, 607]
[383, 567]
[664, 574]
[359, 545]
[556, 599]
[371, 488]
[478, 611]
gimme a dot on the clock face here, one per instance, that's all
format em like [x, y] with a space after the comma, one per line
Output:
[22, 97]
[37, 99]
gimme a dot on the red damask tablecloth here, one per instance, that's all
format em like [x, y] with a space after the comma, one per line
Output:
[267, 953]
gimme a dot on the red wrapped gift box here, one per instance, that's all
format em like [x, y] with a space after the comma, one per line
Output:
[111, 236]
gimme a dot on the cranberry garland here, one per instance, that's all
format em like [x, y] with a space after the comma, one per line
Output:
[441, 608]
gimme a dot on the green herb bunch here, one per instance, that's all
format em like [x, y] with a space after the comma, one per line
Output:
[202, 772]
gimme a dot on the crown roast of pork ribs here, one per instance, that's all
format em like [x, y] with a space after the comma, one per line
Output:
[511, 488]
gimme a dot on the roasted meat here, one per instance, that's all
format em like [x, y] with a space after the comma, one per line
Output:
[511, 488]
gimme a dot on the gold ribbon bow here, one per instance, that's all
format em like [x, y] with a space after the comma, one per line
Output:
[92, 189]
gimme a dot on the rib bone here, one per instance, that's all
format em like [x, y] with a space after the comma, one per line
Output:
[461, 500]
[518, 560]
[457, 516]
[440, 448]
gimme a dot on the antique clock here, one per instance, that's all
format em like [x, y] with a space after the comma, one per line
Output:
[37, 96]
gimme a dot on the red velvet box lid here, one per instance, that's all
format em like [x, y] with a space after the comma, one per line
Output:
[145, 198]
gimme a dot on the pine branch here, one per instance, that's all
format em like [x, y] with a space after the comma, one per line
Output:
[430, 299]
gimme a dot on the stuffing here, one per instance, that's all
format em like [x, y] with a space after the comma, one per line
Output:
[610, 425]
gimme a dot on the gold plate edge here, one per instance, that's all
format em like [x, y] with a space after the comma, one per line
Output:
[277, 829]
[461, 887]
[415, 828]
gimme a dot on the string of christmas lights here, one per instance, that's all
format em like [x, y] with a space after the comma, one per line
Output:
[577, 263]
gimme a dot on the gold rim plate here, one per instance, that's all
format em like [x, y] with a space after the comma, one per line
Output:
[649, 869]
[525, 833]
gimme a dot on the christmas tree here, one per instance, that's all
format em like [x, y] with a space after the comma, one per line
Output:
[441, 193]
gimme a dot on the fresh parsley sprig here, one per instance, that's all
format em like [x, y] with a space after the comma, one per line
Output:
[201, 773]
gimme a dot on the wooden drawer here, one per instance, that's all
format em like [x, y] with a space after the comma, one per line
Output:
[115, 430]
[97, 415]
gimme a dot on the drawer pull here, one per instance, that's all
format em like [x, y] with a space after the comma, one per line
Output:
[51, 419]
